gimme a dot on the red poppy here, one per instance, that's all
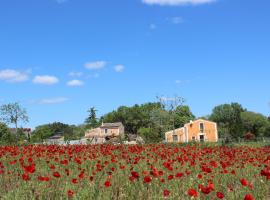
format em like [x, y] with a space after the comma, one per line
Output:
[166, 193]
[135, 175]
[220, 195]
[170, 177]
[107, 184]
[70, 193]
[192, 192]
[74, 181]
[147, 179]
[30, 169]
[249, 197]
[56, 174]
[244, 182]
[43, 178]
[25, 177]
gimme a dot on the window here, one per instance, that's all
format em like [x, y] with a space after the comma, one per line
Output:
[175, 138]
[201, 127]
[193, 139]
[201, 138]
[106, 131]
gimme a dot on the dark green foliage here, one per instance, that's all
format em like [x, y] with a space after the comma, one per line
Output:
[228, 117]
[70, 132]
[6, 137]
[149, 120]
[92, 121]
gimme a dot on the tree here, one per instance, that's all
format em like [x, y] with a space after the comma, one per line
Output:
[91, 120]
[183, 116]
[254, 123]
[5, 135]
[171, 104]
[228, 118]
[13, 113]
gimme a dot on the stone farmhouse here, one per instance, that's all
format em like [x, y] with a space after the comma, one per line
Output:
[105, 132]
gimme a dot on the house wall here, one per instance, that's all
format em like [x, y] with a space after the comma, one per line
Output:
[180, 134]
[210, 131]
[191, 130]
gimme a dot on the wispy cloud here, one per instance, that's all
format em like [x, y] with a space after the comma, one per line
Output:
[181, 82]
[56, 100]
[14, 76]
[97, 65]
[177, 2]
[45, 80]
[75, 74]
[176, 20]
[75, 83]
[119, 68]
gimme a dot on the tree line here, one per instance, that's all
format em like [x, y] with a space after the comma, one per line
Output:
[150, 121]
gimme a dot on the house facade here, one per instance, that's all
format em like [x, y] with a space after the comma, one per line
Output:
[55, 139]
[196, 131]
[105, 131]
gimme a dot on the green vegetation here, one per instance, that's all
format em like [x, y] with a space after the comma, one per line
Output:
[150, 121]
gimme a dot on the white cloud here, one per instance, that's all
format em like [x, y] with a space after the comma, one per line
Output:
[56, 100]
[74, 83]
[95, 65]
[176, 20]
[13, 76]
[181, 82]
[75, 74]
[119, 68]
[176, 2]
[45, 80]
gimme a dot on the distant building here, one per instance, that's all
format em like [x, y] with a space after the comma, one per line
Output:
[197, 131]
[26, 131]
[104, 132]
[56, 139]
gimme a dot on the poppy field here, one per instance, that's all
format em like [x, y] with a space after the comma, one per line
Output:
[154, 171]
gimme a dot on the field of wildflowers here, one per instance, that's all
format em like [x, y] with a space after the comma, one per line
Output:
[156, 171]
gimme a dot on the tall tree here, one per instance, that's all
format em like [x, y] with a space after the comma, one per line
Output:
[171, 104]
[228, 117]
[13, 113]
[254, 122]
[183, 116]
[91, 120]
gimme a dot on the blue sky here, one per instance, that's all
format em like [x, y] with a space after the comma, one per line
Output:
[60, 57]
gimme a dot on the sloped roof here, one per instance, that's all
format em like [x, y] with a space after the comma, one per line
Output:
[111, 125]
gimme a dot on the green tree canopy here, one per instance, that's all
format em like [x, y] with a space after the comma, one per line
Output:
[254, 122]
[228, 117]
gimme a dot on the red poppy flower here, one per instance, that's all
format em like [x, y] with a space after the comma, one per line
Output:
[70, 193]
[56, 174]
[147, 179]
[192, 192]
[244, 182]
[135, 175]
[30, 169]
[25, 177]
[43, 178]
[170, 177]
[220, 195]
[107, 184]
[249, 197]
[166, 193]
[74, 181]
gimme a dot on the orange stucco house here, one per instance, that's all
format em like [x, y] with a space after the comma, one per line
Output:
[199, 130]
